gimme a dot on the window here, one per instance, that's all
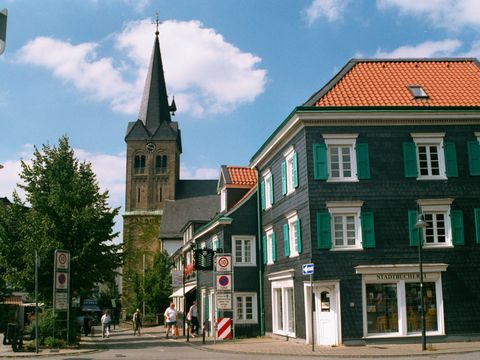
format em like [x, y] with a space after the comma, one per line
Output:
[289, 171]
[139, 164]
[292, 236]
[474, 155]
[245, 308]
[445, 226]
[267, 190]
[283, 308]
[418, 92]
[244, 250]
[215, 243]
[429, 157]
[414, 314]
[382, 308]
[161, 164]
[223, 199]
[345, 226]
[341, 158]
[269, 246]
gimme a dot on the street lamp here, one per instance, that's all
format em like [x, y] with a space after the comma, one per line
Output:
[420, 225]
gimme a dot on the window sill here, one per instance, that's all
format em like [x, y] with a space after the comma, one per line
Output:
[245, 264]
[432, 178]
[437, 246]
[330, 180]
[346, 248]
[245, 322]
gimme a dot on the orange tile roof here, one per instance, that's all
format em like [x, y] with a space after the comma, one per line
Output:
[242, 175]
[447, 82]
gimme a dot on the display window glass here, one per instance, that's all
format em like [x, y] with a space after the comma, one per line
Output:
[382, 308]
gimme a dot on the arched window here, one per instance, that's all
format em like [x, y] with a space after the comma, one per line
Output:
[160, 164]
[139, 164]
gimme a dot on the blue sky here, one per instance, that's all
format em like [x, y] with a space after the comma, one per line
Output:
[236, 69]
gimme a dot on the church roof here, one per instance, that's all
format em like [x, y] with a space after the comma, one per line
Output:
[402, 83]
[195, 200]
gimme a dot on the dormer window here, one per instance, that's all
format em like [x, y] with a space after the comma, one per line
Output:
[418, 92]
[223, 199]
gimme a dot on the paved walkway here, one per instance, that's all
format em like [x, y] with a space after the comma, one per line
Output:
[264, 345]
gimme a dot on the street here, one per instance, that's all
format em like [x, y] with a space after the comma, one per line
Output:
[153, 345]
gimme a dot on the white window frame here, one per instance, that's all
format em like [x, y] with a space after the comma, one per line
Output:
[430, 139]
[282, 287]
[253, 254]
[267, 176]
[244, 295]
[268, 234]
[432, 273]
[223, 199]
[214, 242]
[344, 141]
[342, 208]
[288, 155]
[429, 206]
[292, 232]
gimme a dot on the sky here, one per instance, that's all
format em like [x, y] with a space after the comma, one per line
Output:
[236, 70]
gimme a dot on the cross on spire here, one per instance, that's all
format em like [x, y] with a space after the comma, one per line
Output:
[157, 22]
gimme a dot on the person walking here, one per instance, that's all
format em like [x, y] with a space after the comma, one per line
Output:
[192, 316]
[87, 325]
[106, 320]
[171, 320]
[137, 322]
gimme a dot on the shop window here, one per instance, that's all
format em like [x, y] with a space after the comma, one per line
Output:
[414, 314]
[382, 308]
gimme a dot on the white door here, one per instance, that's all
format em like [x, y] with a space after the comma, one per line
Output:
[326, 315]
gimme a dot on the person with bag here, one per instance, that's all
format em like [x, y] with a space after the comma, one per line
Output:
[137, 322]
[106, 320]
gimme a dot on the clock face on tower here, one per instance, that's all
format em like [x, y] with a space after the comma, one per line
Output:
[150, 147]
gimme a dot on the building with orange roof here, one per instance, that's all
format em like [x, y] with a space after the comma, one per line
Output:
[343, 180]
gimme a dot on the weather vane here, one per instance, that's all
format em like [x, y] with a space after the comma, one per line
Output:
[157, 22]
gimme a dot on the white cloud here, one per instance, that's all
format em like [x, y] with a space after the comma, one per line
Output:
[423, 50]
[206, 74]
[138, 5]
[451, 14]
[332, 10]
[198, 173]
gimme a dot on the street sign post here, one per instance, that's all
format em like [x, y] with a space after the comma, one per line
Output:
[308, 269]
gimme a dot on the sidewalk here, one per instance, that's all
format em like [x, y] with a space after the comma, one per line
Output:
[261, 346]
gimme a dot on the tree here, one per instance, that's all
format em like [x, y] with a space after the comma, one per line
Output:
[66, 211]
[158, 281]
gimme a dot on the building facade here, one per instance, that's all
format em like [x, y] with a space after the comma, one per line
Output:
[343, 180]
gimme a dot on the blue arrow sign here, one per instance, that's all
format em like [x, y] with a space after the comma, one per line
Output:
[307, 269]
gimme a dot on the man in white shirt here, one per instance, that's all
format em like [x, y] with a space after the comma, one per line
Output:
[171, 320]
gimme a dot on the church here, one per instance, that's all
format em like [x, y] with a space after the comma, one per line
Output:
[157, 202]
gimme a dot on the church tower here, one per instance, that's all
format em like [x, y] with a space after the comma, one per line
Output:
[153, 169]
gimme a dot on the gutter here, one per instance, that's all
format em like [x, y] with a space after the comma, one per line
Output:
[259, 258]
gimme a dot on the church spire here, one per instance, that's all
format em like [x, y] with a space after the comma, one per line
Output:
[154, 109]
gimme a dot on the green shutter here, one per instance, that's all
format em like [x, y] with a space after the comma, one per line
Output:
[477, 224]
[363, 162]
[274, 247]
[450, 152]
[217, 244]
[410, 159]
[474, 157]
[320, 167]
[456, 216]
[368, 230]
[286, 241]
[262, 192]
[270, 180]
[284, 178]
[299, 236]
[324, 236]
[264, 249]
[295, 169]
[412, 230]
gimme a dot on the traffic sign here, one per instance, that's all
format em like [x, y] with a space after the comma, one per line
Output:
[61, 259]
[223, 300]
[224, 282]
[307, 269]
[224, 263]
[62, 282]
[61, 301]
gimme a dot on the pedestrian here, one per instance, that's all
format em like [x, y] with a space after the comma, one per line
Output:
[192, 316]
[137, 322]
[106, 320]
[87, 325]
[171, 320]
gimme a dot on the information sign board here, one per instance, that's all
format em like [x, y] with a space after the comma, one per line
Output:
[223, 300]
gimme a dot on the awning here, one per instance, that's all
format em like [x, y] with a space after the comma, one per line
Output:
[179, 292]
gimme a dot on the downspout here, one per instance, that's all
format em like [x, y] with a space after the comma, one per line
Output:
[259, 256]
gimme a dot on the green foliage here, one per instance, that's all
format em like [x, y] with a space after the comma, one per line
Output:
[158, 281]
[46, 324]
[67, 211]
[52, 342]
